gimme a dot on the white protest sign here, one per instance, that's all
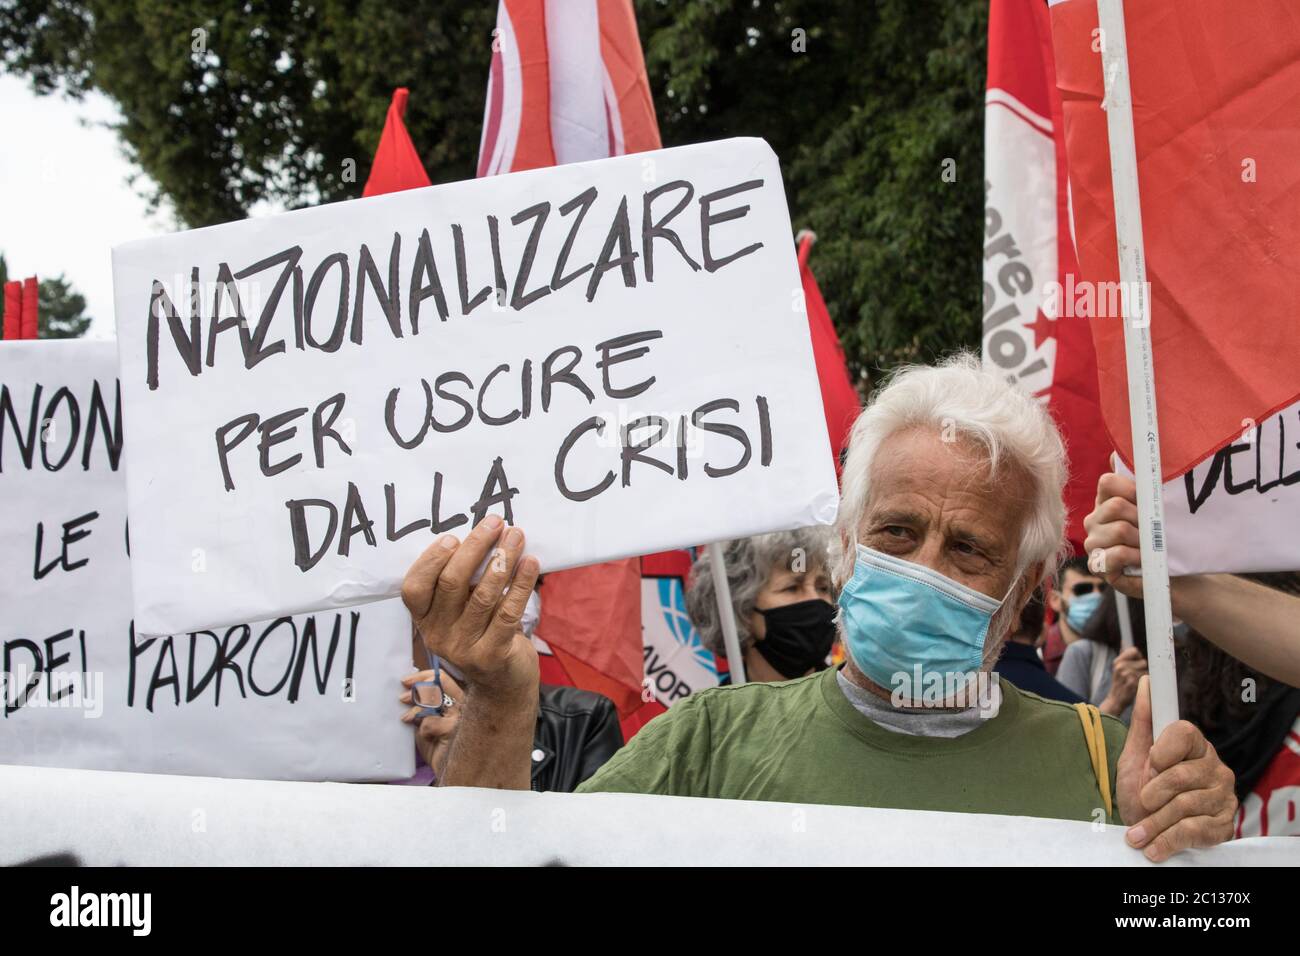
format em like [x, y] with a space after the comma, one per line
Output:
[612, 355]
[308, 697]
[1239, 510]
[121, 819]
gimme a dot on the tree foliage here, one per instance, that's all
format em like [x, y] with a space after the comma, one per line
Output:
[226, 104]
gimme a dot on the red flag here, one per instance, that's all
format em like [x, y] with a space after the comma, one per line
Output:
[397, 165]
[1028, 249]
[13, 321]
[567, 83]
[31, 308]
[1216, 92]
[839, 398]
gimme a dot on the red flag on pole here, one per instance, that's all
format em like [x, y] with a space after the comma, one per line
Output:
[1028, 250]
[31, 308]
[13, 320]
[1215, 92]
[839, 398]
[567, 83]
[397, 164]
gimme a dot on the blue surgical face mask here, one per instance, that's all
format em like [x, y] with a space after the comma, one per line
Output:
[1081, 609]
[899, 616]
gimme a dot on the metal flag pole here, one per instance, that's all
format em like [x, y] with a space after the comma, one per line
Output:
[726, 614]
[1118, 104]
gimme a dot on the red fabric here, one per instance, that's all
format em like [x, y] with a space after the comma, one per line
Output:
[840, 399]
[1021, 63]
[1016, 52]
[1272, 808]
[1216, 90]
[637, 716]
[31, 315]
[1073, 400]
[397, 164]
[591, 617]
[1053, 649]
[667, 564]
[620, 48]
[525, 27]
[13, 321]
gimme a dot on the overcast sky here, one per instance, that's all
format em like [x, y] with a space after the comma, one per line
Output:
[64, 196]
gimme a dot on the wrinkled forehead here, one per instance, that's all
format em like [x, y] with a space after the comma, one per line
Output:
[927, 470]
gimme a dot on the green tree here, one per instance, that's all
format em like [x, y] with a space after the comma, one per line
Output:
[62, 308]
[868, 104]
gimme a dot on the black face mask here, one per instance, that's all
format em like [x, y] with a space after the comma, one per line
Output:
[799, 636]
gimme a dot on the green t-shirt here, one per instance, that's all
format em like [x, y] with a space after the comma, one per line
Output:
[801, 741]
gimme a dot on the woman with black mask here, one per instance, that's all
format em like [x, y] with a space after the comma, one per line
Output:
[782, 599]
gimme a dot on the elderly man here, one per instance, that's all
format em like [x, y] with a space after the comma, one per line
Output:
[951, 515]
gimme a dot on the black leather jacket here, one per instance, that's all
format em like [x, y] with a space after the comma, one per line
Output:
[577, 731]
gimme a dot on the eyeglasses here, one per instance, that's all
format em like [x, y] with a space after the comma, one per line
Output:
[1086, 587]
[428, 708]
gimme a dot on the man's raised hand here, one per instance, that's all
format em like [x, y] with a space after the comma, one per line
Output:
[477, 627]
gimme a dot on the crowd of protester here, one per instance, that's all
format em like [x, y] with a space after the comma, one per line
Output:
[946, 557]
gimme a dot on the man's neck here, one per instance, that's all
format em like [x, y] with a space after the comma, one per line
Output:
[859, 679]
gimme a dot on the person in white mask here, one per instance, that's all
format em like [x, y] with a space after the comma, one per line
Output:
[951, 516]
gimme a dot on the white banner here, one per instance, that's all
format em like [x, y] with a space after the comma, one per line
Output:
[314, 396]
[117, 819]
[1239, 510]
[308, 697]
[1020, 255]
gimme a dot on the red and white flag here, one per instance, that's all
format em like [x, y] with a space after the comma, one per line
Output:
[568, 84]
[1216, 96]
[1028, 251]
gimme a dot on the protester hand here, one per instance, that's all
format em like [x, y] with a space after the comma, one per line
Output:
[1113, 540]
[1127, 672]
[1174, 793]
[433, 734]
[477, 628]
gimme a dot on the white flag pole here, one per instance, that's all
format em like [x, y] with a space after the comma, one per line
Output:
[1118, 105]
[726, 614]
[1125, 620]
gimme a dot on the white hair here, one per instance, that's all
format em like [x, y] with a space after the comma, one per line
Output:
[958, 397]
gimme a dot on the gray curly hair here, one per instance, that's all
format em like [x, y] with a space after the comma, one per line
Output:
[750, 562]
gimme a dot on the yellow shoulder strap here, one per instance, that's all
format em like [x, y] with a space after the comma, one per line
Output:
[1095, 737]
